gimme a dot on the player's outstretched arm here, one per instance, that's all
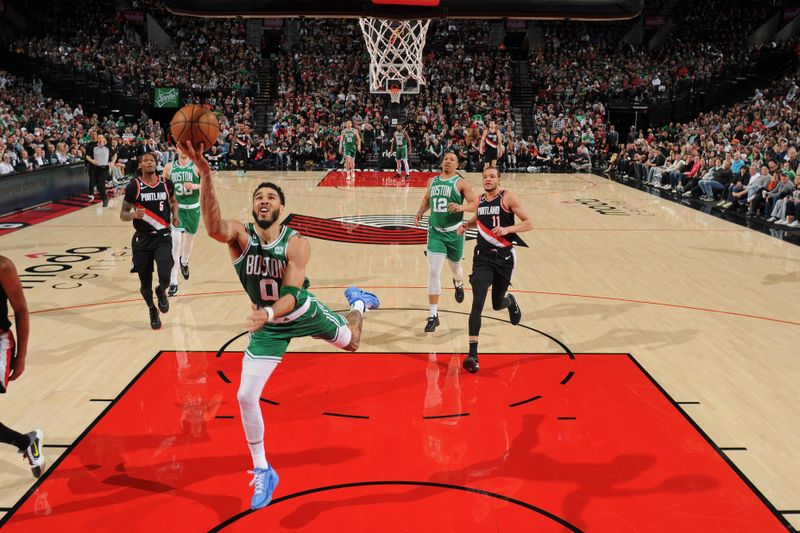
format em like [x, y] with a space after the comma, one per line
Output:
[13, 289]
[230, 232]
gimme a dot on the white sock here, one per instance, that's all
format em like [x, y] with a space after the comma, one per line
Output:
[176, 246]
[187, 243]
[254, 377]
[433, 309]
[458, 272]
[359, 306]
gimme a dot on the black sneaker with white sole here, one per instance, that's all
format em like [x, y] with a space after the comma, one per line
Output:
[471, 364]
[459, 292]
[163, 303]
[430, 326]
[514, 312]
[155, 319]
[173, 289]
[184, 269]
[33, 453]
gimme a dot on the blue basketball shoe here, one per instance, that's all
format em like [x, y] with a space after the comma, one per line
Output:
[264, 482]
[354, 294]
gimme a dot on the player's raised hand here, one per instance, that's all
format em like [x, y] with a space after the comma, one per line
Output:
[196, 155]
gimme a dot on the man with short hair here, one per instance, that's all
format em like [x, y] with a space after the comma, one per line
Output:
[443, 193]
[270, 260]
[99, 159]
[494, 259]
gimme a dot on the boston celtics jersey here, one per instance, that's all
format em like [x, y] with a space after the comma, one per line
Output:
[180, 175]
[443, 192]
[261, 267]
[400, 140]
[349, 139]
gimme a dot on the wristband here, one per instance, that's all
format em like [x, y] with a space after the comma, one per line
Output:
[270, 313]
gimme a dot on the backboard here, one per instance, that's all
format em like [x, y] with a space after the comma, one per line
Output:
[412, 9]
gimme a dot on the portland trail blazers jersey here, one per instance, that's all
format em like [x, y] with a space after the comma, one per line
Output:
[493, 139]
[491, 214]
[154, 199]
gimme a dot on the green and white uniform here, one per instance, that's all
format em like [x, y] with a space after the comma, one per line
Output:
[442, 225]
[400, 145]
[349, 142]
[260, 269]
[188, 201]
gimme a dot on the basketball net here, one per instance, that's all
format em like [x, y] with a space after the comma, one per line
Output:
[395, 50]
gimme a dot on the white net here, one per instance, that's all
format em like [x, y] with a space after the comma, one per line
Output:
[395, 50]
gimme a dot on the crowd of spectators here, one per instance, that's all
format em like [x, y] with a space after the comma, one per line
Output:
[743, 157]
[94, 38]
[324, 81]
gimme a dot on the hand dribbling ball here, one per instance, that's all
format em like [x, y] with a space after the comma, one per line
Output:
[195, 124]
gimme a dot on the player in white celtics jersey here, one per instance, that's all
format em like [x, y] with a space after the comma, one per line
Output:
[270, 260]
[443, 194]
[349, 145]
[401, 146]
[187, 192]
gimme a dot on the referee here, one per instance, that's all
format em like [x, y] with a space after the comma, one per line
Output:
[98, 173]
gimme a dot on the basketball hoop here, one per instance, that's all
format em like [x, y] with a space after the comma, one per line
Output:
[394, 93]
[395, 51]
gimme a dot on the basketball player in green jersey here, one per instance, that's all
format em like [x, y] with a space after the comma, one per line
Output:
[349, 143]
[270, 261]
[443, 240]
[187, 192]
[401, 145]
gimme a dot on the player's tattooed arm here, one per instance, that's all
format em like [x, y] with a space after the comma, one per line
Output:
[128, 213]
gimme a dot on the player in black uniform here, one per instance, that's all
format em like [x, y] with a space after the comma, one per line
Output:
[150, 203]
[491, 146]
[494, 258]
[12, 361]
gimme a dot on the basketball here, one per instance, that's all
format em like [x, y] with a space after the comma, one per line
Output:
[195, 124]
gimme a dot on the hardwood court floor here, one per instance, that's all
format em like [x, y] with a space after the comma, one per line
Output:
[708, 308]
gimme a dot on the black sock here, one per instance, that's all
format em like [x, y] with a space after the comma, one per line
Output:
[9, 436]
[473, 348]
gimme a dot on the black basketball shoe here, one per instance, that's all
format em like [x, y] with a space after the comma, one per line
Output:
[471, 364]
[514, 312]
[155, 319]
[459, 292]
[173, 289]
[184, 269]
[430, 326]
[163, 303]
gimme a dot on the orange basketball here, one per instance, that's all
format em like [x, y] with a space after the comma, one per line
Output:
[195, 124]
